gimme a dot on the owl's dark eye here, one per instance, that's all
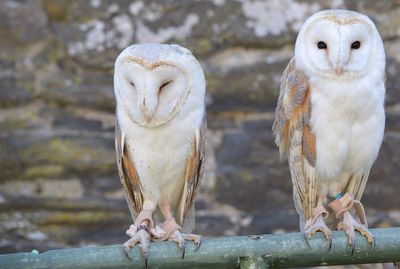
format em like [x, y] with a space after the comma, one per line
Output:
[133, 84]
[322, 45]
[355, 45]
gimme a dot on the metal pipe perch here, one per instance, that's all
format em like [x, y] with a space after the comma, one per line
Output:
[264, 251]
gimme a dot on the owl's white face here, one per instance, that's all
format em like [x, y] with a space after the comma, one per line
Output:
[152, 91]
[338, 44]
[155, 82]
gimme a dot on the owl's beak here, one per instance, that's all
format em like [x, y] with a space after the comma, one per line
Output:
[339, 57]
[148, 99]
[148, 109]
[339, 70]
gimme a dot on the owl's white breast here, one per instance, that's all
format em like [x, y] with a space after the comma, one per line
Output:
[348, 122]
[160, 154]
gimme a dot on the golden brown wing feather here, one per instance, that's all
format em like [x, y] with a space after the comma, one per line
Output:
[194, 170]
[128, 174]
[294, 137]
[356, 185]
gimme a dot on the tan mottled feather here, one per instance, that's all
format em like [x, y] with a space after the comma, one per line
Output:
[356, 185]
[295, 139]
[194, 171]
[128, 174]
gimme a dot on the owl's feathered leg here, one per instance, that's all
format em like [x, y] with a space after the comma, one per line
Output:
[140, 233]
[173, 231]
[342, 207]
[317, 222]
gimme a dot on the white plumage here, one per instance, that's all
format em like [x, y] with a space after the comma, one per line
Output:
[330, 117]
[348, 121]
[160, 139]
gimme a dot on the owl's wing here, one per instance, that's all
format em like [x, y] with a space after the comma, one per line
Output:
[356, 184]
[193, 174]
[128, 174]
[295, 139]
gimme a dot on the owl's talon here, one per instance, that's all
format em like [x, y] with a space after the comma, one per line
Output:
[372, 244]
[306, 238]
[198, 244]
[141, 236]
[180, 239]
[145, 256]
[350, 225]
[126, 254]
[318, 226]
[183, 251]
[128, 245]
[330, 242]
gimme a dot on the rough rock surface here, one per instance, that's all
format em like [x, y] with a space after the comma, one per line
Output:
[58, 178]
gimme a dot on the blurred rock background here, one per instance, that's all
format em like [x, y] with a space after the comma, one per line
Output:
[58, 178]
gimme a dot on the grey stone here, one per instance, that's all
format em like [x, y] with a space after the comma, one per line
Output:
[23, 21]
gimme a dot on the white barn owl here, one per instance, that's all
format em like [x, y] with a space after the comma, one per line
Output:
[330, 119]
[160, 140]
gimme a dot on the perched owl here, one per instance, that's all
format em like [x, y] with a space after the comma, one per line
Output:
[160, 140]
[330, 119]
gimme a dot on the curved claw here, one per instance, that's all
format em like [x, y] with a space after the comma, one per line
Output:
[306, 238]
[145, 256]
[127, 246]
[183, 251]
[353, 246]
[317, 225]
[144, 246]
[126, 254]
[180, 239]
[330, 242]
[141, 237]
[197, 245]
[372, 244]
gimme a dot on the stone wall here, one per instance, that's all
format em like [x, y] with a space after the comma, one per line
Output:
[58, 178]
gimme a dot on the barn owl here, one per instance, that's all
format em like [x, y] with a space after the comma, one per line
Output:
[330, 119]
[160, 140]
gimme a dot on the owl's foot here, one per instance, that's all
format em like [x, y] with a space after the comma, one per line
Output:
[172, 232]
[348, 224]
[139, 234]
[180, 239]
[317, 224]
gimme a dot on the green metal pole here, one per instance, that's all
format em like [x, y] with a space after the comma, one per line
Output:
[253, 262]
[277, 250]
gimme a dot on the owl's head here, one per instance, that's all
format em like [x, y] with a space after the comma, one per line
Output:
[339, 44]
[153, 82]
